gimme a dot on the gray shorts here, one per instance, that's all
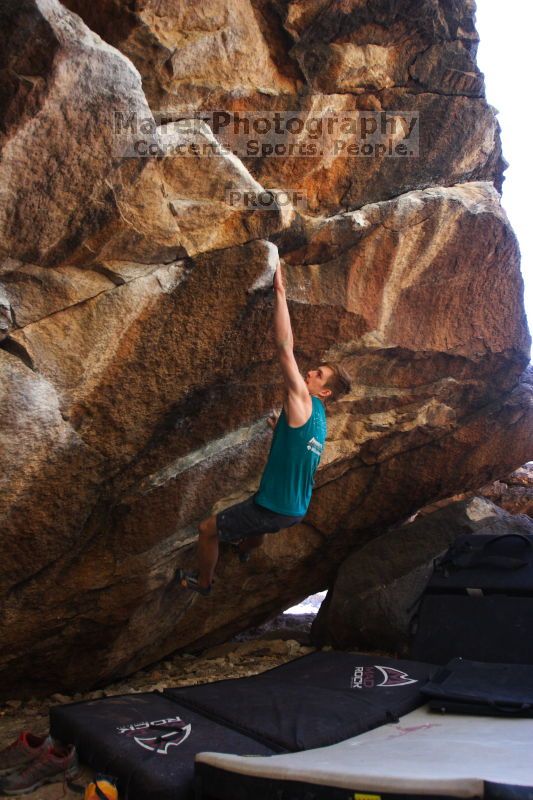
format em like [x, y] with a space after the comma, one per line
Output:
[249, 519]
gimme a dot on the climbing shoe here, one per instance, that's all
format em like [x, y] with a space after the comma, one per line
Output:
[23, 751]
[56, 763]
[189, 580]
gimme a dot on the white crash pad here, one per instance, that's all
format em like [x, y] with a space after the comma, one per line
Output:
[424, 753]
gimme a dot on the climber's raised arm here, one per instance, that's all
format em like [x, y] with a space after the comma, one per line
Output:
[297, 400]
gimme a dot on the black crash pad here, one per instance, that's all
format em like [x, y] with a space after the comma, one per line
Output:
[147, 741]
[495, 628]
[477, 687]
[313, 701]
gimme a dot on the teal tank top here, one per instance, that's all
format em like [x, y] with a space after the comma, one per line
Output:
[287, 482]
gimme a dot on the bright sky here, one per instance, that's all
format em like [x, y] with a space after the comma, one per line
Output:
[504, 56]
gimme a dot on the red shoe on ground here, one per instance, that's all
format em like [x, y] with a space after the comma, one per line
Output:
[57, 763]
[23, 751]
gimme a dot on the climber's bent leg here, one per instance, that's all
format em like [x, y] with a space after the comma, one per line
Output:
[242, 525]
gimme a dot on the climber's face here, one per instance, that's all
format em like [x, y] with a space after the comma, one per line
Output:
[316, 380]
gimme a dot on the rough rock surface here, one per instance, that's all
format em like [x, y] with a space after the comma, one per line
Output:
[374, 595]
[515, 492]
[136, 361]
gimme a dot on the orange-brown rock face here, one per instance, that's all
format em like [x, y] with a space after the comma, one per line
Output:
[515, 492]
[137, 361]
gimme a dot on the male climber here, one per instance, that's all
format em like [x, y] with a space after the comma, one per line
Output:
[287, 481]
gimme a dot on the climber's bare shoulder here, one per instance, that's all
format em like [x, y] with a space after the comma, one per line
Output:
[297, 409]
[297, 401]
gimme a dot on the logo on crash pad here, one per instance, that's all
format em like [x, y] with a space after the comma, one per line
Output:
[376, 676]
[159, 735]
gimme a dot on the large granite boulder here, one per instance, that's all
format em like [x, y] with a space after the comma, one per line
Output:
[77, 189]
[137, 363]
[320, 62]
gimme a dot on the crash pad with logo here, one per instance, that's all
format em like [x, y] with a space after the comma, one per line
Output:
[313, 701]
[147, 741]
